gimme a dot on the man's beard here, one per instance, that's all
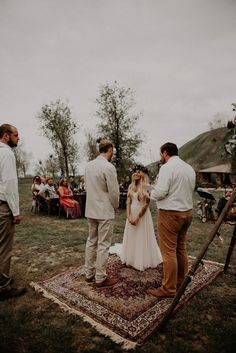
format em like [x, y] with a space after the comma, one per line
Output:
[162, 161]
[110, 158]
[11, 144]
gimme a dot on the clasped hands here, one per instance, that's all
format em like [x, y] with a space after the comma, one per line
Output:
[135, 221]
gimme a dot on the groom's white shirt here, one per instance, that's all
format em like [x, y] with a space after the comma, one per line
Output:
[102, 189]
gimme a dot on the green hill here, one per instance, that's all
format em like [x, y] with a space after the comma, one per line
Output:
[204, 151]
[207, 149]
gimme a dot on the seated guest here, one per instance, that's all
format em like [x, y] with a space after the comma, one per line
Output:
[126, 183]
[71, 206]
[223, 200]
[72, 183]
[82, 184]
[44, 179]
[37, 185]
[48, 195]
[35, 188]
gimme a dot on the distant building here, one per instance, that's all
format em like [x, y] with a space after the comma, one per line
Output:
[217, 176]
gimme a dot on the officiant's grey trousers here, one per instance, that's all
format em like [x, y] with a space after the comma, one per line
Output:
[7, 232]
[97, 248]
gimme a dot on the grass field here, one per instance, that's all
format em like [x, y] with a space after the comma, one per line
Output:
[46, 245]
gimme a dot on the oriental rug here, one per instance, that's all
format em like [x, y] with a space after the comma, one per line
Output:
[124, 312]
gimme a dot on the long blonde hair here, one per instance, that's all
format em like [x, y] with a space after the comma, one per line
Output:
[140, 187]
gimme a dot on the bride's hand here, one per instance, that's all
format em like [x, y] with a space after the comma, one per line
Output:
[130, 220]
[136, 221]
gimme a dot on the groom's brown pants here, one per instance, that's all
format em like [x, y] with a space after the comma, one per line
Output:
[172, 229]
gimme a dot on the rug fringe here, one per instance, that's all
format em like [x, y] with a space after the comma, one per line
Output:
[126, 344]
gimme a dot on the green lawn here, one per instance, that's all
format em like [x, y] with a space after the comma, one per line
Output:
[46, 245]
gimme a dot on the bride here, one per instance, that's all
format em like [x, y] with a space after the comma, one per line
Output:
[139, 248]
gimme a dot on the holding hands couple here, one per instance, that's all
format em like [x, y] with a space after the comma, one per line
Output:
[173, 195]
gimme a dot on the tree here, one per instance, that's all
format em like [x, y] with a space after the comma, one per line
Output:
[73, 157]
[118, 124]
[49, 166]
[59, 128]
[22, 159]
[91, 150]
[217, 122]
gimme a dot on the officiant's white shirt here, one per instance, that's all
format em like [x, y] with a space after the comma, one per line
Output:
[175, 186]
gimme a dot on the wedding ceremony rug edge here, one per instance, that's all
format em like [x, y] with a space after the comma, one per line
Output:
[98, 306]
[126, 344]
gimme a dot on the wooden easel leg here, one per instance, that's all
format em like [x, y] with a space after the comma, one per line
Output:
[231, 247]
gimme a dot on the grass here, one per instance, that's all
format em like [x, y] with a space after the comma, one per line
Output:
[46, 245]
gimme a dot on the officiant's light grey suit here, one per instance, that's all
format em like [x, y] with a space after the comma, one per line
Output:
[102, 199]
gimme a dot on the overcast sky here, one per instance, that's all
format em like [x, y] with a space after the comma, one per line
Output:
[179, 56]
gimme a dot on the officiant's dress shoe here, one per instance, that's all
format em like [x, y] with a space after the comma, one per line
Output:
[109, 281]
[10, 292]
[159, 294]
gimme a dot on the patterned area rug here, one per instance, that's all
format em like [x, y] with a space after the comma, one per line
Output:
[124, 312]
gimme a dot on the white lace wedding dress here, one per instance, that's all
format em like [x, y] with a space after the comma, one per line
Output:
[139, 248]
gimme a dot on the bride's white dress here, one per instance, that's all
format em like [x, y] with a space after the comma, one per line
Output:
[139, 248]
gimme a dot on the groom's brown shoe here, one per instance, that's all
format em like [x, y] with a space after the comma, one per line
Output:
[109, 281]
[159, 294]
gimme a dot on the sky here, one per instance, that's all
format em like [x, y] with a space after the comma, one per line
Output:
[178, 56]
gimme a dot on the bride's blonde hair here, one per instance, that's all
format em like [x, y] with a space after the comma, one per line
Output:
[140, 188]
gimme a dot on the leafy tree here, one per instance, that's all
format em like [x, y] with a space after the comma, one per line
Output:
[59, 128]
[73, 157]
[91, 146]
[22, 159]
[118, 124]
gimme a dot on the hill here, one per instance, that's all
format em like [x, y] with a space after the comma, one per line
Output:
[204, 151]
[207, 149]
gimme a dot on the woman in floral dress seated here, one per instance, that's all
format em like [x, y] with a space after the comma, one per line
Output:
[71, 206]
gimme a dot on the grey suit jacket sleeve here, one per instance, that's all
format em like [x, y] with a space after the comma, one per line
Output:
[112, 186]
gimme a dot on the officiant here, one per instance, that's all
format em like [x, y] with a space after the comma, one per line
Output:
[174, 196]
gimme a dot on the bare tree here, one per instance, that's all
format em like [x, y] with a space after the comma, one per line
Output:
[22, 159]
[217, 121]
[49, 166]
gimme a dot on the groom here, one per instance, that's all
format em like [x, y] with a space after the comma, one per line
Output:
[173, 193]
[102, 200]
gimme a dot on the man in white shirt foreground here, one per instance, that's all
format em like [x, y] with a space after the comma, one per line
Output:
[173, 193]
[102, 200]
[9, 208]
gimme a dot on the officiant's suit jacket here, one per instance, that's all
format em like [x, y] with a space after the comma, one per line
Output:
[102, 189]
